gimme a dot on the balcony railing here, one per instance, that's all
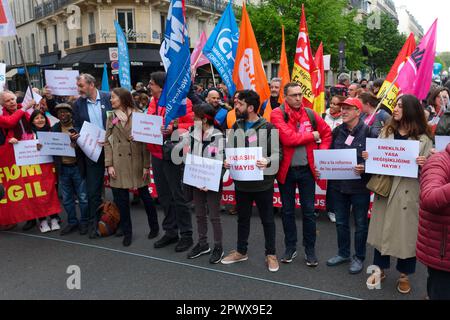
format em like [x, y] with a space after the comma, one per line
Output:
[50, 7]
[79, 41]
[92, 38]
[66, 44]
[210, 5]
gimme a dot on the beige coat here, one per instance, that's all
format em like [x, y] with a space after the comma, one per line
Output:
[394, 222]
[129, 158]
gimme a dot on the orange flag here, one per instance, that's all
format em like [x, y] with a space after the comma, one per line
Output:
[248, 73]
[283, 71]
[319, 82]
[391, 96]
[304, 65]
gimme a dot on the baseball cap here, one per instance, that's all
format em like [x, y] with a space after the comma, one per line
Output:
[354, 102]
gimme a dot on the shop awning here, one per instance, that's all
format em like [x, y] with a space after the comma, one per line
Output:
[11, 73]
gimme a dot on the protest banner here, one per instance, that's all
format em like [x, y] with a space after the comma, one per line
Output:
[56, 144]
[30, 190]
[2, 76]
[26, 153]
[392, 157]
[441, 142]
[243, 163]
[147, 128]
[62, 82]
[202, 172]
[90, 136]
[336, 164]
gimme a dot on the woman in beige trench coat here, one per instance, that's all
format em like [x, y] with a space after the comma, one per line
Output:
[128, 163]
[394, 222]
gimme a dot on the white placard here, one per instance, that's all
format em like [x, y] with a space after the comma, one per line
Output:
[202, 172]
[2, 76]
[326, 62]
[393, 157]
[336, 164]
[26, 153]
[62, 82]
[442, 142]
[56, 144]
[243, 163]
[90, 135]
[147, 128]
[28, 98]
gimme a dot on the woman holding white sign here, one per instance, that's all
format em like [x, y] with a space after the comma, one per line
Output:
[128, 163]
[394, 222]
[208, 142]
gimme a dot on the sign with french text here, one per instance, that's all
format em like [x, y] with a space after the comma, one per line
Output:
[27, 153]
[62, 82]
[147, 128]
[56, 144]
[90, 137]
[336, 164]
[202, 172]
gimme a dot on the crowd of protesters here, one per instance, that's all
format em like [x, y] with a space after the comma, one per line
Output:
[411, 222]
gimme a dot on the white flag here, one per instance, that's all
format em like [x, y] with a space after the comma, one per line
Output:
[7, 24]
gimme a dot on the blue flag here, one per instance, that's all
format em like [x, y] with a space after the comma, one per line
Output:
[105, 81]
[221, 47]
[124, 58]
[177, 53]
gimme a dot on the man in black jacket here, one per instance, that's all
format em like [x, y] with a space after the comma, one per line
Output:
[258, 133]
[351, 195]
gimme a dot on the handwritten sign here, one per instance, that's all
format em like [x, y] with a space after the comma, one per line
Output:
[90, 136]
[202, 172]
[56, 144]
[37, 98]
[392, 157]
[243, 163]
[26, 153]
[62, 82]
[336, 164]
[147, 128]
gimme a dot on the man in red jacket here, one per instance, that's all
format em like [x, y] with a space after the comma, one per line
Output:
[301, 131]
[168, 176]
[433, 240]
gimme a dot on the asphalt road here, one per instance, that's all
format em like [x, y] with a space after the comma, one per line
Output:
[34, 266]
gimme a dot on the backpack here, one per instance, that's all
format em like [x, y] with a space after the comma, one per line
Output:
[109, 219]
[309, 112]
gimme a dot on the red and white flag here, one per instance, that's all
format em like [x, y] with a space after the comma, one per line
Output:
[7, 24]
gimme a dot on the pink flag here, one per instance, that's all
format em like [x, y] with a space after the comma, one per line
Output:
[415, 76]
[197, 57]
[7, 24]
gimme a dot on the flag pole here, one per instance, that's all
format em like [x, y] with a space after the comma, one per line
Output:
[212, 72]
[383, 97]
[24, 65]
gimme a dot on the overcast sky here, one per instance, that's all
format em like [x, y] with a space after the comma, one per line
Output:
[426, 11]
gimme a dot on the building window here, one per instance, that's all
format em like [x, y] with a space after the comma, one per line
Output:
[91, 23]
[33, 47]
[55, 28]
[126, 21]
[201, 27]
[275, 68]
[45, 37]
[163, 27]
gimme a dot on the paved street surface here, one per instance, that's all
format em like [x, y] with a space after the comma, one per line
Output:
[33, 266]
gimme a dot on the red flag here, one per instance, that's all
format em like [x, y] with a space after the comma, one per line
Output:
[304, 65]
[319, 82]
[391, 96]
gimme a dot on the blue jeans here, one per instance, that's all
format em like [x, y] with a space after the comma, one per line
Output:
[303, 178]
[344, 204]
[73, 184]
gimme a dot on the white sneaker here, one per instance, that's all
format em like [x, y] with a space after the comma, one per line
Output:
[55, 224]
[332, 217]
[44, 227]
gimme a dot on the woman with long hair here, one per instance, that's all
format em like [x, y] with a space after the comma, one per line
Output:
[394, 222]
[128, 163]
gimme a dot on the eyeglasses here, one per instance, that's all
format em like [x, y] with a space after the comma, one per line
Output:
[295, 95]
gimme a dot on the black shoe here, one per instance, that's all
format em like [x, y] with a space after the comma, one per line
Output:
[165, 241]
[83, 229]
[311, 260]
[289, 256]
[153, 234]
[216, 255]
[198, 250]
[119, 233]
[126, 241]
[29, 225]
[69, 229]
[184, 244]
[93, 234]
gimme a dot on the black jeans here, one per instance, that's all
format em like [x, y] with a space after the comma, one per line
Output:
[95, 177]
[122, 200]
[438, 284]
[303, 178]
[169, 185]
[406, 266]
[244, 206]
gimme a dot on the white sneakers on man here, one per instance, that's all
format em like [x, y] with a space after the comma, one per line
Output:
[55, 225]
[44, 227]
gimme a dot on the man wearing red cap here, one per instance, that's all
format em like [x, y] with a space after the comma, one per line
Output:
[351, 195]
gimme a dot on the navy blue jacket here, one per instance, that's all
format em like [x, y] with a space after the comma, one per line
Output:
[340, 135]
[81, 114]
